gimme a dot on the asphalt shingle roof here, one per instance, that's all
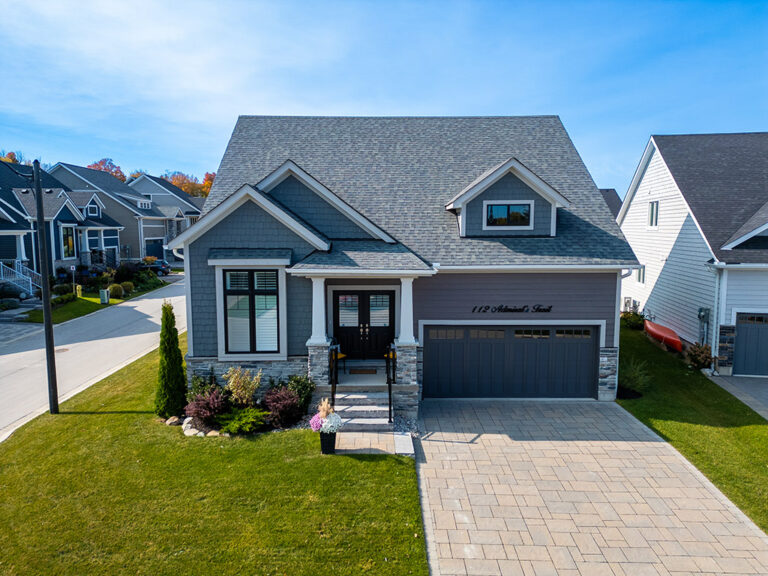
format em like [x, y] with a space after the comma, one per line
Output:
[176, 191]
[724, 179]
[52, 202]
[401, 172]
[611, 198]
[363, 255]
[10, 180]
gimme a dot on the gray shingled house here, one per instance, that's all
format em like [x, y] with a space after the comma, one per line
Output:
[479, 247]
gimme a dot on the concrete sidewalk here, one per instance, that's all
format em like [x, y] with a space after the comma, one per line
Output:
[750, 390]
[87, 350]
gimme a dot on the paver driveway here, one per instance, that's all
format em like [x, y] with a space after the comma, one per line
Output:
[540, 488]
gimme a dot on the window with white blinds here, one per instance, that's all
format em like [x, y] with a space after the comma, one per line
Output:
[251, 319]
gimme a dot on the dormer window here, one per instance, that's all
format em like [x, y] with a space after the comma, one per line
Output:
[93, 210]
[508, 215]
[144, 205]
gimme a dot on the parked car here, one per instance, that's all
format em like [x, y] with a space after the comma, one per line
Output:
[160, 267]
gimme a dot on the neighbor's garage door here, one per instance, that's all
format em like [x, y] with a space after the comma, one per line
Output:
[154, 248]
[751, 345]
[510, 362]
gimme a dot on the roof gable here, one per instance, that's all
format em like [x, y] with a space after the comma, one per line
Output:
[245, 194]
[166, 188]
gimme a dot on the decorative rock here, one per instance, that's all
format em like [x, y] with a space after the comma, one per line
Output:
[190, 431]
[226, 434]
[173, 421]
[201, 434]
[187, 420]
[213, 433]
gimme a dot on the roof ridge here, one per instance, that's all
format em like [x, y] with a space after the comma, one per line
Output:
[426, 117]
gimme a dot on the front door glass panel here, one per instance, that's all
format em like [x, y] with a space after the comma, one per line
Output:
[379, 310]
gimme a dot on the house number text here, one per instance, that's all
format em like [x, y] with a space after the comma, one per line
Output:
[504, 309]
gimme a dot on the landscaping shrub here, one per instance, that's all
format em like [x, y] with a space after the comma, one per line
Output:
[201, 386]
[699, 356]
[8, 304]
[127, 287]
[304, 388]
[284, 408]
[147, 280]
[205, 407]
[241, 420]
[149, 260]
[126, 272]
[116, 291]
[63, 299]
[633, 320]
[242, 386]
[61, 289]
[8, 290]
[633, 374]
[171, 386]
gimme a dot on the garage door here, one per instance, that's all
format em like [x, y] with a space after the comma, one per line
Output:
[510, 361]
[154, 248]
[750, 345]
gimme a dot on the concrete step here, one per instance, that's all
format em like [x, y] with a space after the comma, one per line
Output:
[360, 398]
[325, 391]
[362, 411]
[366, 425]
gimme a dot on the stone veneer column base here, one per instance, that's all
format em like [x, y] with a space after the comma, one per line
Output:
[608, 374]
[726, 338]
[406, 393]
[318, 364]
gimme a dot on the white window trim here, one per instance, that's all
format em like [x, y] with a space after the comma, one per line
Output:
[736, 311]
[89, 213]
[641, 270]
[330, 289]
[282, 312]
[648, 225]
[61, 240]
[528, 322]
[487, 203]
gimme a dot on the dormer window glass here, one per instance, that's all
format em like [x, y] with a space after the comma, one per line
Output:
[93, 210]
[508, 215]
[144, 205]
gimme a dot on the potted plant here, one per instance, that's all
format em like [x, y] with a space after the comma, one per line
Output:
[327, 422]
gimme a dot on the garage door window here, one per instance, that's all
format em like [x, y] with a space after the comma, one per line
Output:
[752, 319]
[573, 333]
[531, 333]
[486, 334]
[446, 334]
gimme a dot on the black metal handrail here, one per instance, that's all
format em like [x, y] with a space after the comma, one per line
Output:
[390, 359]
[333, 370]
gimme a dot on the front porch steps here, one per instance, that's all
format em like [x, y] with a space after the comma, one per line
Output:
[361, 410]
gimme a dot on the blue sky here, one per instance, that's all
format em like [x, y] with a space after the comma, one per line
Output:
[159, 85]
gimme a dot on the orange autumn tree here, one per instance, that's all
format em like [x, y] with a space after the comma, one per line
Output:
[106, 165]
[190, 184]
[208, 182]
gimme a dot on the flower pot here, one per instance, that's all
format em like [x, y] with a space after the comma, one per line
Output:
[328, 442]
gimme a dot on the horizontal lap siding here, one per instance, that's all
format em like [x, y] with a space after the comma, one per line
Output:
[677, 280]
[573, 296]
[248, 227]
[747, 291]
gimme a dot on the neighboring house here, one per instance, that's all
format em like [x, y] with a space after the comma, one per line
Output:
[144, 225]
[181, 209]
[480, 247]
[696, 215]
[98, 233]
[611, 198]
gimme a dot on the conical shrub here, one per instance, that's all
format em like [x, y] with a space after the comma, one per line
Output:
[170, 397]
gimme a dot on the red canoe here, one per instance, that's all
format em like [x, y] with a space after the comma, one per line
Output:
[664, 335]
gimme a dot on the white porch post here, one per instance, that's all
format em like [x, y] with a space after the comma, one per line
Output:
[406, 312]
[318, 337]
[101, 239]
[21, 253]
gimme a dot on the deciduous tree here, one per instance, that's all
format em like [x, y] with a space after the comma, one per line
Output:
[208, 182]
[108, 166]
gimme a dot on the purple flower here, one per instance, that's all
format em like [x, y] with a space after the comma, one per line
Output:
[316, 423]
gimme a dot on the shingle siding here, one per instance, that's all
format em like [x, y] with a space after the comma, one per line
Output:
[310, 207]
[510, 187]
[677, 280]
[586, 296]
[247, 227]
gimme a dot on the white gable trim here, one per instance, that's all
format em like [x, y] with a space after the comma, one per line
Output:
[243, 195]
[22, 214]
[514, 166]
[72, 208]
[650, 149]
[745, 237]
[290, 168]
[8, 216]
[165, 190]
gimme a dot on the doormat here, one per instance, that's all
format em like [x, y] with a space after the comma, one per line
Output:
[362, 370]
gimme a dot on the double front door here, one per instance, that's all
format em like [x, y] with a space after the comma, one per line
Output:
[364, 322]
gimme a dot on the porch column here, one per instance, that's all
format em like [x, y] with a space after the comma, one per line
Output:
[319, 337]
[21, 253]
[101, 239]
[406, 337]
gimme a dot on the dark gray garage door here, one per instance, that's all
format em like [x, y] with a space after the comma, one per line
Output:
[751, 345]
[154, 248]
[510, 361]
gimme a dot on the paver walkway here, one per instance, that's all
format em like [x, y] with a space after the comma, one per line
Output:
[570, 488]
[752, 391]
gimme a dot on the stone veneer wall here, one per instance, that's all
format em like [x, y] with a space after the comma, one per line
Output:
[277, 369]
[608, 374]
[726, 337]
[406, 394]
[318, 364]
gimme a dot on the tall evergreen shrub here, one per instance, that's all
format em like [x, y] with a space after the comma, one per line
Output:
[170, 397]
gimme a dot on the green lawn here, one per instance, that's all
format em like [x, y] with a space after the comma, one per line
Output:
[104, 488]
[720, 435]
[90, 302]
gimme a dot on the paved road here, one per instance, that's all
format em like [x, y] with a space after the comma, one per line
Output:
[87, 350]
[571, 488]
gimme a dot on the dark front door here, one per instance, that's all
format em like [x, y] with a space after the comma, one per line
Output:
[364, 322]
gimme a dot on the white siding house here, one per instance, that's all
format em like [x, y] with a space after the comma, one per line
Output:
[693, 215]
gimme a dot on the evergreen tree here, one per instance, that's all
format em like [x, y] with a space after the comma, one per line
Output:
[170, 397]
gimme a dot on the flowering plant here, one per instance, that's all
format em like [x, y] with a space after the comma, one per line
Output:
[326, 420]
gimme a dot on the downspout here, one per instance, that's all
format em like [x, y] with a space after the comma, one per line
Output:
[178, 255]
